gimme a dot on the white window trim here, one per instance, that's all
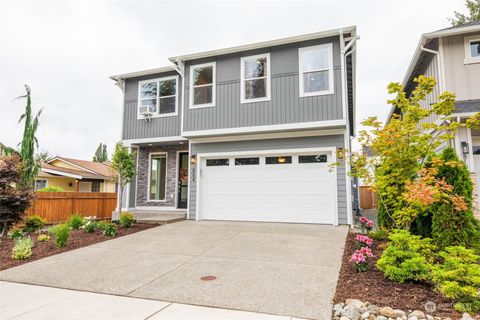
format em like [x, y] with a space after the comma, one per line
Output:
[331, 89]
[149, 175]
[242, 79]
[214, 85]
[157, 114]
[468, 57]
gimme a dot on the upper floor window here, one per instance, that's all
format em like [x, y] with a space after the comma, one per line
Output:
[255, 78]
[158, 97]
[202, 85]
[316, 70]
[472, 49]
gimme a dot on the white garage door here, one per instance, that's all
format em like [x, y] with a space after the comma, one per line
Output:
[278, 187]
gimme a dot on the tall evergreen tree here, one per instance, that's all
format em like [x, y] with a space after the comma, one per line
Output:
[101, 154]
[29, 142]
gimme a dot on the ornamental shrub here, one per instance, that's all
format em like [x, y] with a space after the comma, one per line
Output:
[379, 234]
[51, 189]
[450, 227]
[90, 225]
[15, 234]
[22, 249]
[458, 278]
[43, 237]
[407, 257]
[33, 223]
[75, 221]
[126, 219]
[61, 233]
[109, 229]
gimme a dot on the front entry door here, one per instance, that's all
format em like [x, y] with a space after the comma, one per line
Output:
[182, 180]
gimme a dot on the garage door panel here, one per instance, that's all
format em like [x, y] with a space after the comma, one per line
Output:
[295, 192]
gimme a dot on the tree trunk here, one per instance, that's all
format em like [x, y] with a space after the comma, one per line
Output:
[119, 201]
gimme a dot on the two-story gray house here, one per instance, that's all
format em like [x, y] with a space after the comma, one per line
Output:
[245, 133]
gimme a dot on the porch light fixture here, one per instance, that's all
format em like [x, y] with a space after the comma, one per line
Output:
[340, 153]
[465, 147]
[193, 159]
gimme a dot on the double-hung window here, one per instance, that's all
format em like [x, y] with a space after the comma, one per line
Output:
[202, 85]
[255, 78]
[472, 49]
[158, 97]
[316, 70]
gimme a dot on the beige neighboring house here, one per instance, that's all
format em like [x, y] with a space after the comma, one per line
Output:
[76, 175]
[452, 57]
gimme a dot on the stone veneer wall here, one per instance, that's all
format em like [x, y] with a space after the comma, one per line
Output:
[476, 207]
[142, 175]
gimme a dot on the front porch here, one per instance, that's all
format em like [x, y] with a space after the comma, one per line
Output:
[158, 193]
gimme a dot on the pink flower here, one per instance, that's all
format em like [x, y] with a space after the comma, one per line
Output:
[366, 251]
[358, 257]
[366, 223]
[364, 240]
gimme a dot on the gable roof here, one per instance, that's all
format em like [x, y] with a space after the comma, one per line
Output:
[67, 172]
[251, 46]
[92, 168]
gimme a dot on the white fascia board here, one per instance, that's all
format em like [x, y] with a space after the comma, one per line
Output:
[129, 142]
[143, 73]
[264, 44]
[72, 164]
[61, 173]
[269, 128]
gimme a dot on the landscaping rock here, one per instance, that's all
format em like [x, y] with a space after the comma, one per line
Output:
[355, 302]
[429, 317]
[344, 318]
[399, 313]
[466, 316]
[388, 312]
[412, 318]
[381, 318]
[351, 312]
[417, 313]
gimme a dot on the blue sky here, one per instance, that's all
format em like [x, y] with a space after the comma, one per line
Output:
[66, 50]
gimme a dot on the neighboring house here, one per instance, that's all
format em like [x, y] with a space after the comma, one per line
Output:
[76, 175]
[245, 133]
[452, 57]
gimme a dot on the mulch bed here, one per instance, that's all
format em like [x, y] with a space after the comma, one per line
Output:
[77, 239]
[372, 286]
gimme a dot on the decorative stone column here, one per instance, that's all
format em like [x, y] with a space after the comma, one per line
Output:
[475, 205]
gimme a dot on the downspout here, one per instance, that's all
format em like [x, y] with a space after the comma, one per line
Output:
[439, 66]
[347, 143]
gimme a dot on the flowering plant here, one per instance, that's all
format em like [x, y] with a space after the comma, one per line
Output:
[366, 251]
[366, 224]
[359, 261]
[363, 241]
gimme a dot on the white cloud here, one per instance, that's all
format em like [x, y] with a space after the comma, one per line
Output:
[65, 50]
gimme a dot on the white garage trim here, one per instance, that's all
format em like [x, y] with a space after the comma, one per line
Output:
[201, 156]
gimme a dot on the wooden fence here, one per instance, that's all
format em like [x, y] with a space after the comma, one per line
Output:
[368, 198]
[59, 206]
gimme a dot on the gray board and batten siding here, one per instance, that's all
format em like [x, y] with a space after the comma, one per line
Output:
[285, 106]
[273, 144]
[133, 128]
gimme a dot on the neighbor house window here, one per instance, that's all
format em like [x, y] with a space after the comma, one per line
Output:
[316, 70]
[472, 49]
[157, 177]
[202, 85]
[158, 97]
[255, 78]
[96, 186]
[40, 184]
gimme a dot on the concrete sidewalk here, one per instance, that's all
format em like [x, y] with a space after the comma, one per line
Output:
[22, 301]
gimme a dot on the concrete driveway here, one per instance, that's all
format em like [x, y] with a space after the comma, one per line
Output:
[281, 269]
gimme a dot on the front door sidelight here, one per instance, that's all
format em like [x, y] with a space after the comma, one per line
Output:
[182, 182]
